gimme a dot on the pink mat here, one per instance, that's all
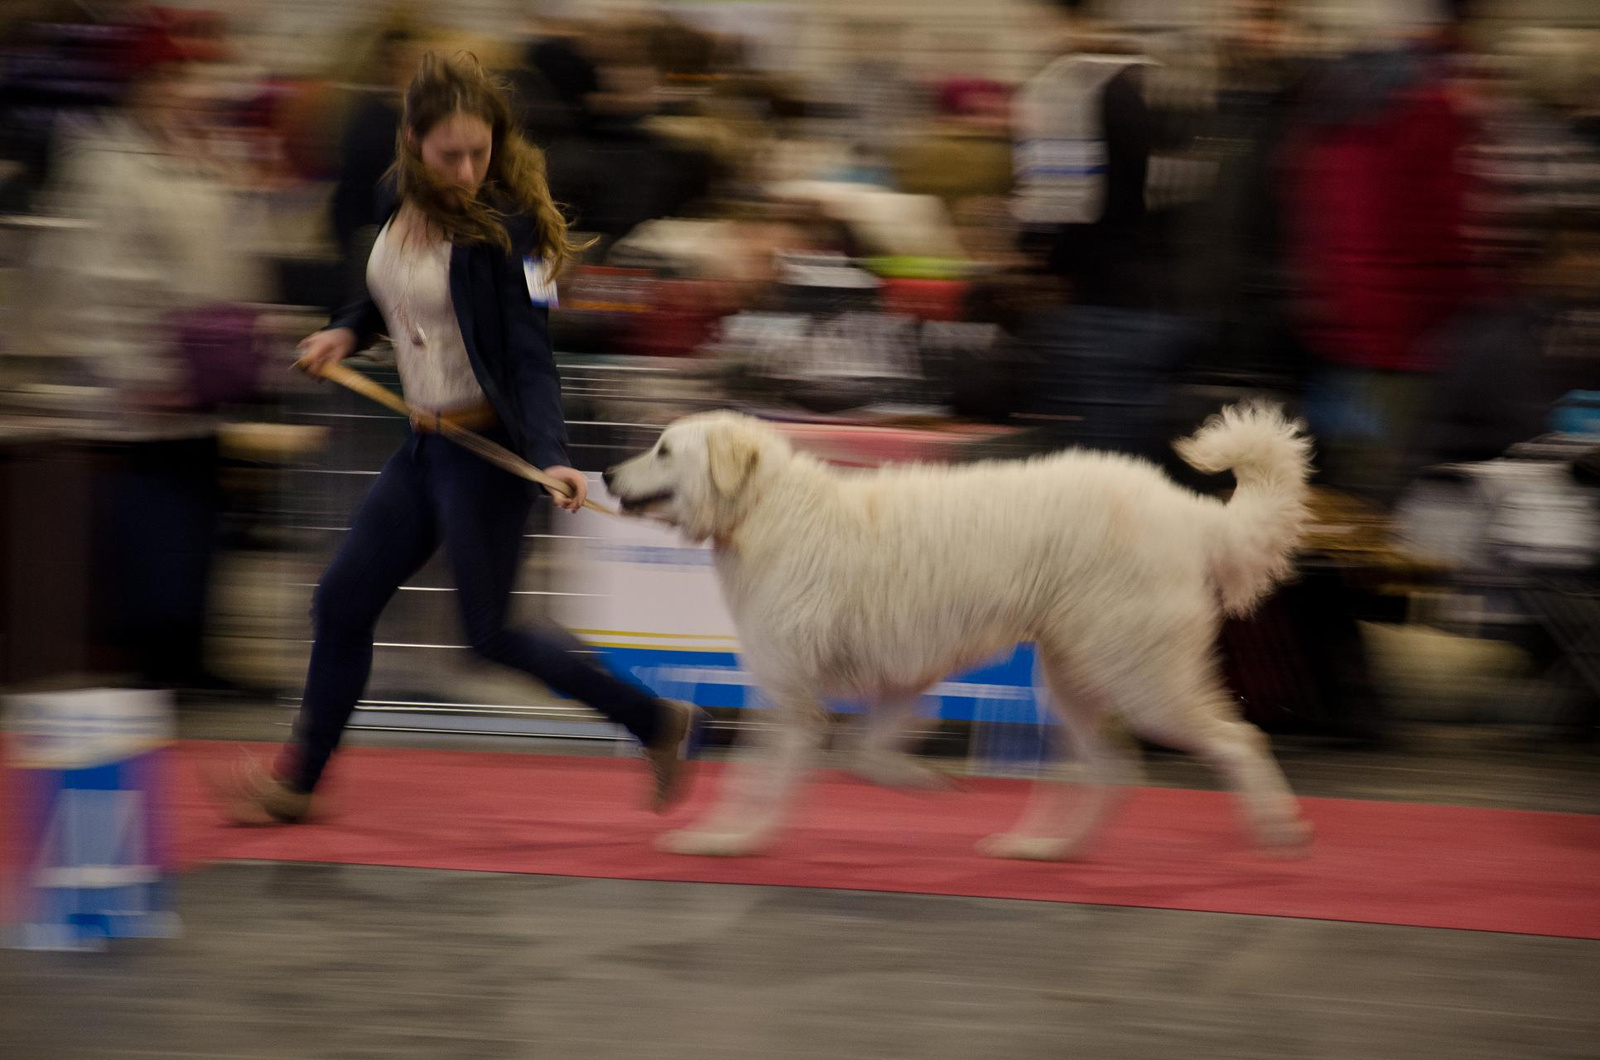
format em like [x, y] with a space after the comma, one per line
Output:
[1372, 862]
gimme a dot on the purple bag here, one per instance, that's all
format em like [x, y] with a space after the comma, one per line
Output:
[221, 351]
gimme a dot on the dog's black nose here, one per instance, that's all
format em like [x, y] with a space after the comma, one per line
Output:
[605, 476]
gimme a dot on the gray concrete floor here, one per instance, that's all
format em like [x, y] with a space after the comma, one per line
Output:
[282, 962]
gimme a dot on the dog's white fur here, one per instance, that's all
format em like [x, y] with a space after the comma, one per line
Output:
[876, 585]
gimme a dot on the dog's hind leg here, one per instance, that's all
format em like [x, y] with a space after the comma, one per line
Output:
[880, 752]
[1055, 826]
[1208, 725]
[756, 797]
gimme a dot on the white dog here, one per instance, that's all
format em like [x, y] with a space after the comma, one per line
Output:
[875, 585]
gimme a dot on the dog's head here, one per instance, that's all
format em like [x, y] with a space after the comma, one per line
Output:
[701, 475]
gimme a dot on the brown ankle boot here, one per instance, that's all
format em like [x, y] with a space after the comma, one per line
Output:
[248, 794]
[666, 753]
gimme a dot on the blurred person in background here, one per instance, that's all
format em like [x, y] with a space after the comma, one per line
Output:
[152, 193]
[1531, 334]
[876, 99]
[460, 276]
[59, 62]
[1232, 263]
[611, 169]
[1101, 367]
[1529, 158]
[553, 82]
[1376, 197]
[965, 151]
[1084, 137]
[367, 148]
[146, 304]
[1510, 355]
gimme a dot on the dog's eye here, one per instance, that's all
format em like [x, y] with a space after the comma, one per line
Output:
[662, 450]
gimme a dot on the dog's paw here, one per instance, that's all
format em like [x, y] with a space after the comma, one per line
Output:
[712, 844]
[899, 771]
[1029, 847]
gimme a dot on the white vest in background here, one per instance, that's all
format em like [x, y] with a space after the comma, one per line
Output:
[1060, 156]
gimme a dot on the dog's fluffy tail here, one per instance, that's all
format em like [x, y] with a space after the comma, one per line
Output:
[1270, 456]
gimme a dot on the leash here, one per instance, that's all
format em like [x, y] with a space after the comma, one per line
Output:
[497, 455]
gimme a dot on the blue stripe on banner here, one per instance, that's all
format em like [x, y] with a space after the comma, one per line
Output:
[1001, 691]
[662, 555]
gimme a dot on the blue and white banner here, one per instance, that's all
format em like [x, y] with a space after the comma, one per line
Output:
[89, 857]
[651, 606]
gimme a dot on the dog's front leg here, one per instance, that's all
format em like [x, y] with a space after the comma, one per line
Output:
[756, 797]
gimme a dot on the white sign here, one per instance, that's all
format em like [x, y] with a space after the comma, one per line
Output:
[634, 583]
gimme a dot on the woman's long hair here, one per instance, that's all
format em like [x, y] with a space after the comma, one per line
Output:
[515, 183]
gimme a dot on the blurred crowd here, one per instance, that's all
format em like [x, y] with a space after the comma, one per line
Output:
[1393, 226]
[1396, 227]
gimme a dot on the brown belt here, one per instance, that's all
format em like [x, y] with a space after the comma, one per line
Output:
[478, 417]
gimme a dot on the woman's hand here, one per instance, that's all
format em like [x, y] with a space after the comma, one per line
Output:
[574, 479]
[324, 349]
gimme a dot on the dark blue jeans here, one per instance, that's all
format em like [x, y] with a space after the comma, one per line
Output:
[433, 492]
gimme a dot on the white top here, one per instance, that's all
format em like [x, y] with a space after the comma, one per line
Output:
[411, 285]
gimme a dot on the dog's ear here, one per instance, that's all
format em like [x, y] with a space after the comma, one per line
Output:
[730, 455]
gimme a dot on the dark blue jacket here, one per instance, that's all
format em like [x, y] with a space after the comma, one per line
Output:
[507, 334]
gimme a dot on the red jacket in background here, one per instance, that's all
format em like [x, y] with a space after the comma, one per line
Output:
[1376, 208]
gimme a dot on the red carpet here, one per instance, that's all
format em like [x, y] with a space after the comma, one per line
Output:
[1372, 862]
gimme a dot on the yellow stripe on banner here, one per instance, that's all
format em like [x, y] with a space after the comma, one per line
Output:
[658, 636]
[609, 638]
[721, 649]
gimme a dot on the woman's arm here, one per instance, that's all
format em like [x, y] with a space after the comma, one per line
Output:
[361, 317]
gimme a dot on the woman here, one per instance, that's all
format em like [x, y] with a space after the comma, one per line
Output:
[460, 277]
[125, 298]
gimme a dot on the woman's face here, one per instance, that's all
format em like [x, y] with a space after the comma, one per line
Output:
[457, 150]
